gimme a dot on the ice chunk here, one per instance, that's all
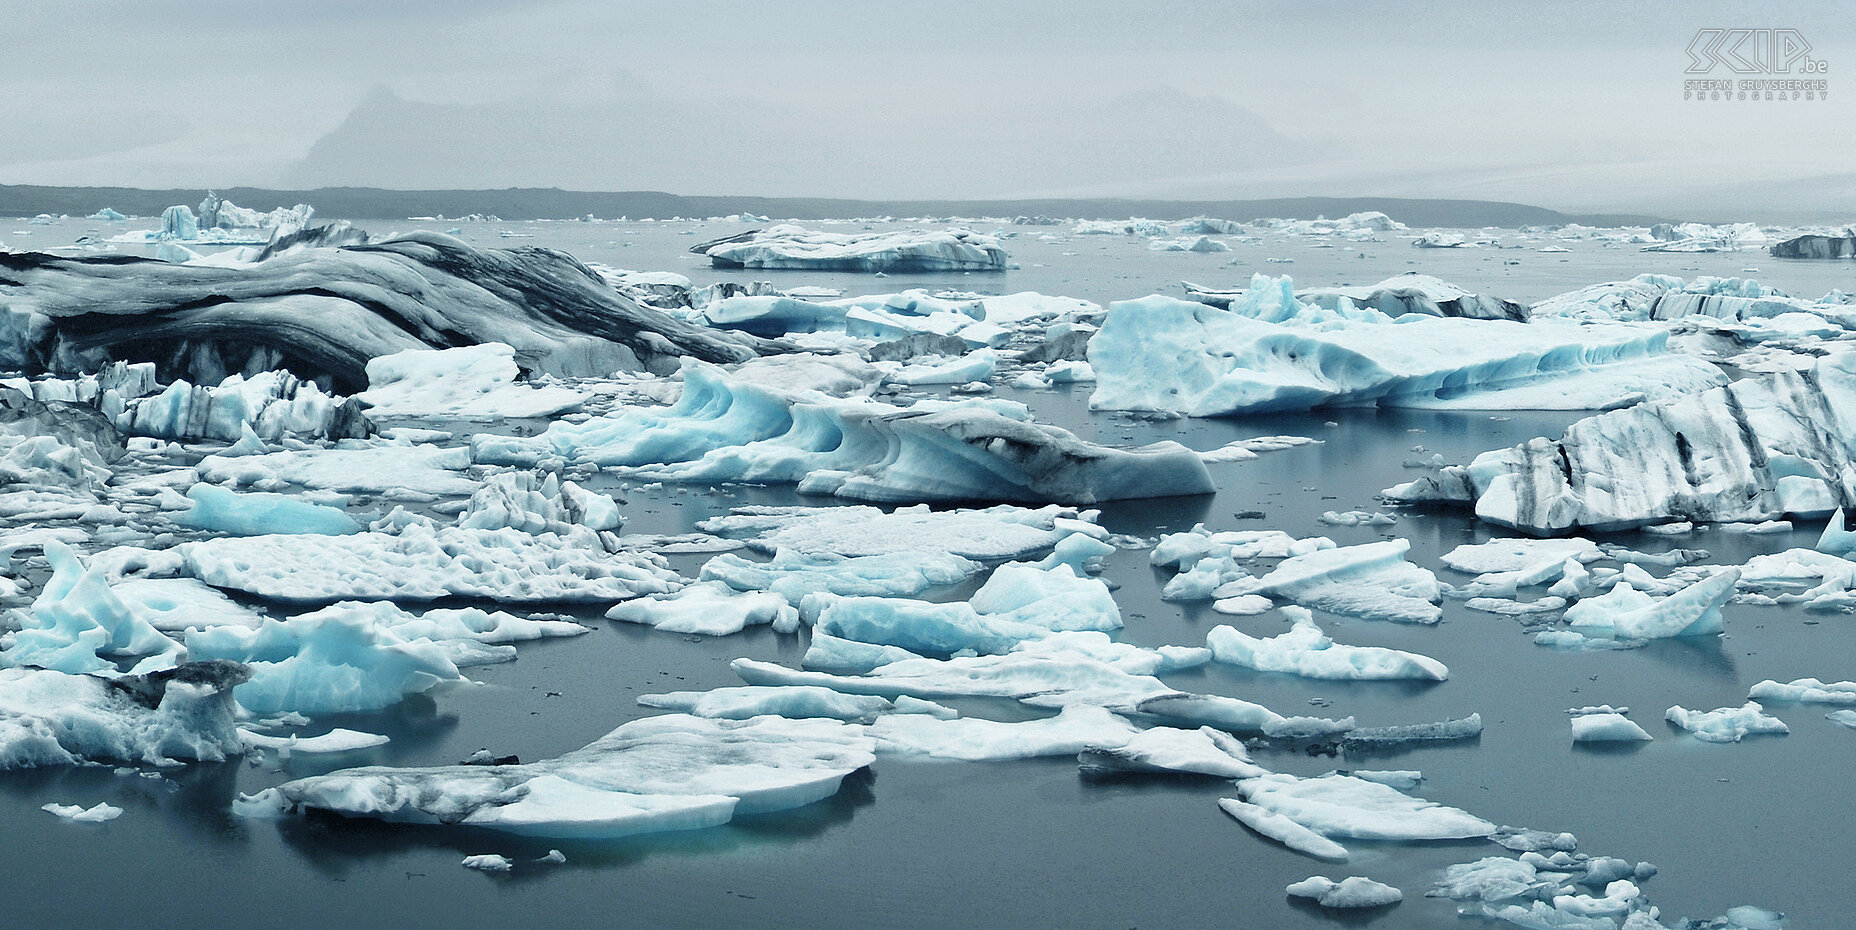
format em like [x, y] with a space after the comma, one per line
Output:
[1162, 355]
[1518, 555]
[1371, 580]
[794, 247]
[103, 812]
[1043, 679]
[78, 619]
[487, 863]
[710, 608]
[972, 739]
[537, 505]
[1495, 878]
[659, 773]
[1341, 805]
[1606, 728]
[1308, 652]
[220, 510]
[975, 366]
[1283, 830]
[336, 740]
[269, 404]
[354, 466]
[348, 657]
[425, 564]
[1205, 751]
[1351, 892]
[726, 429]
[1625, 613]
[1837, 538]
[466, 383]
[794, 702]
[53, 718]
[1711, 456]
[991, 534]
[1726, 724]
[1804, 690]
[1446, 731]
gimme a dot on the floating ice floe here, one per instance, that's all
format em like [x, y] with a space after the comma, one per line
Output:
[1204, 751]
[102, 812]
[1351, 892]
[223, 511]
[1804, 691]
[1162, 355]
[488, 862]
[352, 465]
[336, 740]
[673, 772]
[1625, 613]
[1283, 830]
[1308, 652]
[1726, 724]
[723, 429]
[1071, 731]
[990, 534]
[794, 247]
[1604, 725]
[422, 564]
[710, 608]
[1753, 450]
[163, 718]
[1371, 580]
[793, 574]
[796, 702]
[469, 383]
[325, 301]
[1336, 805]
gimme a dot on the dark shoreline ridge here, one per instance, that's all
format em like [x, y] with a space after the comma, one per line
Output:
[361, 203]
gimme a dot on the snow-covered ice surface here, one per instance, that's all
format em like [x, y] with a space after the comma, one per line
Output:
[511, 552]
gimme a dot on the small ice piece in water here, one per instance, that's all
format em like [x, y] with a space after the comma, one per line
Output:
[1607, 728]
[1342, 805]
[1372, 580]
[971, 739]
[1445, 731]
[1283, 830]
[554, 857]
[710, 608]
[1357, 518]
[336, 740]
[1307, 728]
[1205, 751]
[102, 813]
[1804, 691]
[741, 703]
[1845, 717]
[1351, 892]
[1308, 652]
[1726, 724]
[487, 863]
[1626, 613]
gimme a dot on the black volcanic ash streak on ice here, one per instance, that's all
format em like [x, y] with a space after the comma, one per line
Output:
[326, 310]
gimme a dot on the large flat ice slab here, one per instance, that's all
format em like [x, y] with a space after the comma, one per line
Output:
[794, 247]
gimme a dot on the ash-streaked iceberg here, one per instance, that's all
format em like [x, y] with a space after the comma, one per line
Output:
[724, 429]
[798, 248]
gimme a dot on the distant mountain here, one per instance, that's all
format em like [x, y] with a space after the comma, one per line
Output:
[359, 203]
[628, 135]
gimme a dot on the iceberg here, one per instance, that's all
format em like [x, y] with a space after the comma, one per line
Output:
[219, 510]
[1345, 806]
[673, 772]
[1371, 580]
[271, 405]
[1726, 724]
[725, 429]
[1205, 751]
[796, 248]
[1804, 691]
[424, 564]
[1167, 356]
[1308, 652]
[1283, 830]
[162, 718]
[744, 703]
[710, 608]
[469, 383]
[1351, 892]
[77, 813]
[1717, 456]
[972, 739]
[323, 302]
[1606, 728]
[1625, 613]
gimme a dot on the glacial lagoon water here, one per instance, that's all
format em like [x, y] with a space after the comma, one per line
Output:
[916, 843]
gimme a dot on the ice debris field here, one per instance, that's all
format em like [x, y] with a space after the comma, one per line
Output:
[921, 514]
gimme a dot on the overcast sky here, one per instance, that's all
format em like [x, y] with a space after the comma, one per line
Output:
[1573, 105]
